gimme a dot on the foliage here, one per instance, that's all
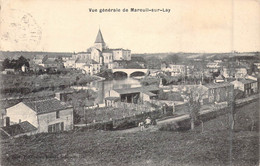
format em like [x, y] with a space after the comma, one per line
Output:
[162, 95]
[194, 96]
[150, 81]
[153, 63]
[79, 100]
[15, 64]
[133, 65]
[172, 59]
[106, 73]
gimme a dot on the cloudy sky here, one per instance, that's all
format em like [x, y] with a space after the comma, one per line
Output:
[190, 26]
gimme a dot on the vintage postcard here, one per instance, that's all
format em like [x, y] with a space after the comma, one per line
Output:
[129, 82]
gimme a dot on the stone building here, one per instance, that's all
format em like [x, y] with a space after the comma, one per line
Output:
[101, 54]
[47, 115]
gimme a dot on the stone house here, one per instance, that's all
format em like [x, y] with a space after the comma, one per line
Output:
[174, 69]
[217, 92]
[47, 115]
[247, 86]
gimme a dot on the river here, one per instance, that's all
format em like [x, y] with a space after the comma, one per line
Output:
[104, 86]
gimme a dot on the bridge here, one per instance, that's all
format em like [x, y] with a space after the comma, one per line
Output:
[128, 72]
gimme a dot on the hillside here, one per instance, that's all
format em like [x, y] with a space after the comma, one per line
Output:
[16, 54]
[142, 148]
[210, 56]
[245, 55]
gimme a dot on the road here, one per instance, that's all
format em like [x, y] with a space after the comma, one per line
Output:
[183, 117]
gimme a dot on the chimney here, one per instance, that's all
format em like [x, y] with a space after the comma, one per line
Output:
[20, 120]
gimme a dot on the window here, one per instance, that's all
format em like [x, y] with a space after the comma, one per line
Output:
[57, 114]
[57, 127]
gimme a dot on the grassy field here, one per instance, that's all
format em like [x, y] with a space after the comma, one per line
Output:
[212, 147]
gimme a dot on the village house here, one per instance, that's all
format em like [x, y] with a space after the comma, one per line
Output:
[214, 66]
[175, 70]
[17, 130]
[132, 95]
[52, 63]
[239, 72]
[247, 86]
[46, 62]
[39, 59]
[47, 115]
[217, 92]
[89, 66]
[70, 63]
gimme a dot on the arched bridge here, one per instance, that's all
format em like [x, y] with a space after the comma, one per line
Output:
[130, 71]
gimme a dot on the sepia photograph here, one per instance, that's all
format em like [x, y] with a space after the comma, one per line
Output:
[129, 82]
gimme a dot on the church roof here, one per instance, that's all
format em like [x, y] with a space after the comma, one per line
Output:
[99, 38]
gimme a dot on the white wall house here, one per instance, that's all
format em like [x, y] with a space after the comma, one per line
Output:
[47, 115]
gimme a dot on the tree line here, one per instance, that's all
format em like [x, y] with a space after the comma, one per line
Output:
[14, 63]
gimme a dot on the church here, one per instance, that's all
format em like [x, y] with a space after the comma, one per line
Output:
[98, 55]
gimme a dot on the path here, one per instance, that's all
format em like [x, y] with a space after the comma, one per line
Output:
[183, 117]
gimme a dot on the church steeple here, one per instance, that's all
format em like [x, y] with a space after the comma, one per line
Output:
[99, 38]
[99, 43]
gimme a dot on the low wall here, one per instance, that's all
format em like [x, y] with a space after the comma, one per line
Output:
[137, 107]
[125, 122]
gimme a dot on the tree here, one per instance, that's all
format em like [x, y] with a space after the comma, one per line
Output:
[78, 100]
[6, 64]
[194, 97]
[172, 59]
[232, 105]
[153, 63]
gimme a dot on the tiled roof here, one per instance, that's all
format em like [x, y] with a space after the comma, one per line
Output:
[79, 60]
[83, 53]
[46, 105]
[137, 89]
[246, 81]
[20, 128]
[107, 51]
[94, 62]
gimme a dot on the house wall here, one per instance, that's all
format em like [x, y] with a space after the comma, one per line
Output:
[220, 94]
[117, 54]
[88, 69]
[144, 97]
[238, 85]
[70, 64]
[96, 68]
[22, 112]
[255, 87]
[66, 116]
[113, 93]
[127, 55]
[80, 65]
[95, 54]
[108, 57]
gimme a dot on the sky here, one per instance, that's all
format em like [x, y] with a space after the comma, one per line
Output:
[190, 26]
